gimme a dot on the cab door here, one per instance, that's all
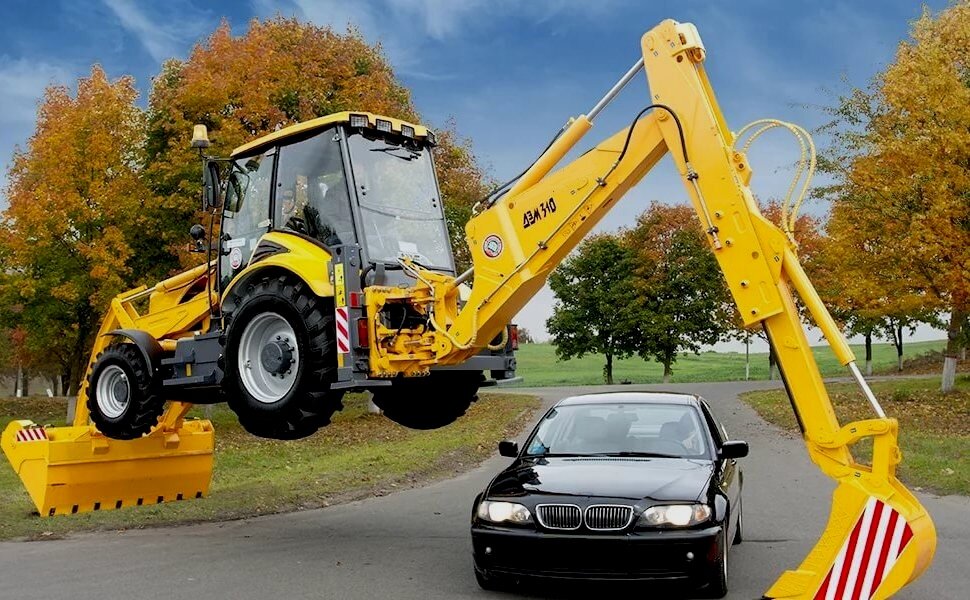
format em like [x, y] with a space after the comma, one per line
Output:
[246, 214]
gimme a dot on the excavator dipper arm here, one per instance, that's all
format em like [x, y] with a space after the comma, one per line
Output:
[878, 536]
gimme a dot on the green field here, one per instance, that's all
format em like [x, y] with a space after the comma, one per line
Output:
[358, 455]
[538, 365]
[934, 428]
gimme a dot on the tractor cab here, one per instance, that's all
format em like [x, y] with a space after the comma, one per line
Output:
[349, 178]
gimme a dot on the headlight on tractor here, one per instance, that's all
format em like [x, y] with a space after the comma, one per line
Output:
[504, 512]
[675, 515]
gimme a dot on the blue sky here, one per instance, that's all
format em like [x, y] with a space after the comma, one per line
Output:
[509, 73]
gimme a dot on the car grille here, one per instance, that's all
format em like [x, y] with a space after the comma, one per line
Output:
[603, 517]
[559, 516]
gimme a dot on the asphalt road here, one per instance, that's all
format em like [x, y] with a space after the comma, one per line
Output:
[415, 543]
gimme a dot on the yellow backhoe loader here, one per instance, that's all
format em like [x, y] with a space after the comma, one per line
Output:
[334, 272]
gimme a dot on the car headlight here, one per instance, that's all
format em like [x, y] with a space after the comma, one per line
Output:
[503, 512]
[675, 515]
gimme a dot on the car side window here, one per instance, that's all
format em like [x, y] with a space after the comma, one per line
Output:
[717, 431]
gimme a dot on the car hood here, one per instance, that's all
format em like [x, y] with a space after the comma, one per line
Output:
[616, 477]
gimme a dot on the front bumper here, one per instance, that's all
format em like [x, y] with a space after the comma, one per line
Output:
[636, 556]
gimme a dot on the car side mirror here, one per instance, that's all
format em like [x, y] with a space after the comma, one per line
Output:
[734, 449]
[211, 186]
[507, 448]
[197, 233]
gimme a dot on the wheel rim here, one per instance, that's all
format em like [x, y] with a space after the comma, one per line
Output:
[265, 385]
[113, 391]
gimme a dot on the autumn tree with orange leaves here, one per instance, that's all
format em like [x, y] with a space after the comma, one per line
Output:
[76, 199]
[280, 72]
[902, 155]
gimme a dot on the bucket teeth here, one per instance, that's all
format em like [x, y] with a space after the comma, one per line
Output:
[69, 470]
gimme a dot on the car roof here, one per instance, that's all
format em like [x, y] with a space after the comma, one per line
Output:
[632, 398]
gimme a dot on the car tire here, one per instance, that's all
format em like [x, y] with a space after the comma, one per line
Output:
[122, 400]
[284, 309]
[717, 580]
[429, 402]
[739, 531]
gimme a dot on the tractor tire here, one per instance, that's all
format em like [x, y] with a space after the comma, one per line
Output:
[122, 399]
[280, 358]
[429, 402]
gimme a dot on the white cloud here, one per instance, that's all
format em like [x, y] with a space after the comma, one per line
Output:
[22, 84]
[163, 36]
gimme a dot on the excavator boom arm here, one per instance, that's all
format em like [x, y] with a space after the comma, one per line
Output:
[878, 537]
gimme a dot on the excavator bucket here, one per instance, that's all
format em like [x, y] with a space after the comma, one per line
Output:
[878, 538]
[76, 469]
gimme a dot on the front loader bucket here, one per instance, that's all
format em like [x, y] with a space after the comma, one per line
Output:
[77, 469]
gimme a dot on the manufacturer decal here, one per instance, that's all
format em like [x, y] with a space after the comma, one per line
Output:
[492, 246]
[235, 258]
[545, 208]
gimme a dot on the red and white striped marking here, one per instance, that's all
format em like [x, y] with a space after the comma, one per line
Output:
[343, 330]
[31, 434]
[878, 538]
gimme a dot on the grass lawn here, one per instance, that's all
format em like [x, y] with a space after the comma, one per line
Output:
[934, 429]
[358, 455]
[539, 366]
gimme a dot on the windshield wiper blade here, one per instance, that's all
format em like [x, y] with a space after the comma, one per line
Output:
[635, 454]
[390, 149]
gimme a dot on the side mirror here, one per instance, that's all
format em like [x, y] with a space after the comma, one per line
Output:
[507, 448]
[735, 449]
[211, 186]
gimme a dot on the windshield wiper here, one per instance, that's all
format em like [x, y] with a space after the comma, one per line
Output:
[635, 454]
[390, 149]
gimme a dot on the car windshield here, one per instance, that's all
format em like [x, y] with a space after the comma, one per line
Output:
[400, 207]
[621, 429]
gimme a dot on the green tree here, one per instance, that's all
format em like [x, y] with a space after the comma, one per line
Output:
[682, 302]
[594, 299]
[76, 199]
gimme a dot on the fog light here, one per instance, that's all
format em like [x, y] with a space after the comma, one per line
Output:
[407, 131]
[431, 138]
[383, 125]
[358, 120]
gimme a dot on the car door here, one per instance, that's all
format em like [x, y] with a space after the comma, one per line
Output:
[245, 213]
[728, 471]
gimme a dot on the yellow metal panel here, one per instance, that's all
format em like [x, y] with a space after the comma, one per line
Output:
[305, 259]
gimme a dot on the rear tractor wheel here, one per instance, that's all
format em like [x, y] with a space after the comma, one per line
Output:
[429, 402]
[280, 358]
[122, 399]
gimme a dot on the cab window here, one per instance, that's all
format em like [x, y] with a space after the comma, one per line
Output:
[245, 215]
[311, 191]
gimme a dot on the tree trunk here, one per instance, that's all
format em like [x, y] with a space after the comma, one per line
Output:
[16, 383]
[747, 357]
[899, 347]
[950, 354]
[24, 387]
[667, 370]
[772, 363]
[868, 352]
[608, 369]
[65, 382]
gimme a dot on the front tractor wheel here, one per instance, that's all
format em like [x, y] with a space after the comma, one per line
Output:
[122, 401]
[280, 358]
[429, 402]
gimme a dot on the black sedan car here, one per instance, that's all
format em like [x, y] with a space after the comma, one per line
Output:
[620, 486]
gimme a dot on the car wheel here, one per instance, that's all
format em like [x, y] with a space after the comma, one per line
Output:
[122, 399]
[429, 402]
[717, 582]
[738, 533]
[281, 358]
[488, 582]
